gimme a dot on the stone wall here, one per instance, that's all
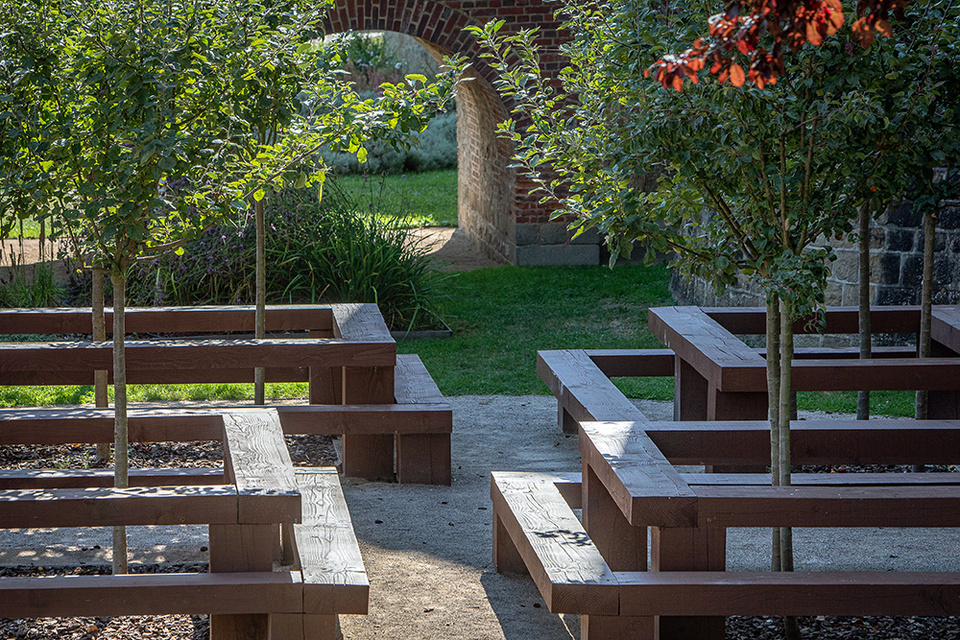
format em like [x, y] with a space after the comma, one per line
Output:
[896, 265]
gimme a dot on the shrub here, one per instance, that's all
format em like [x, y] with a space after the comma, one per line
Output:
[40, 289]
[433, 149]
[316, 252]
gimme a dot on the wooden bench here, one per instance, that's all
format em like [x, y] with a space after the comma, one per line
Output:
[718, 377]
[537, 532]
[258, 510]
[394, 421]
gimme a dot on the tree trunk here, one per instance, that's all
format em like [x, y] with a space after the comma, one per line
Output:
[259, 374]
[100, 335]
[773, 407]
[866, 332]
[120, 440]
[926, 308]
[791, 628]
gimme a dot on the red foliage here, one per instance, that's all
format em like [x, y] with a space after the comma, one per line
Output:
[737, 33]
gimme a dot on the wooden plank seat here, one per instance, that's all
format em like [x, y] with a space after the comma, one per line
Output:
[536, 531]
[394, 421]
[260, 513]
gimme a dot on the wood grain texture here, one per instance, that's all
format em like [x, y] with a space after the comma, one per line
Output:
[71, 320]
[819, 506]
[884, 319]
[194, 355]
[715, 353]
[360, 323]
[582, 389]
[622, 545]
[83, 478]
[566, 566]
[68, 425]
[256, 454]
[633, 362]
[645, 486]
[797, 593]
[424, 459]
[834, 442]
[101, 507]
[334, 577]
[413, 383]
[825, 479]
[365, 419]
[146, 594]
[366, 455]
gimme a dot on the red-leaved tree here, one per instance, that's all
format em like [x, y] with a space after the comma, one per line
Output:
[755, 34]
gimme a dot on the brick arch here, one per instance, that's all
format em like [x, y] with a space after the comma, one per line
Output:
[496, 210]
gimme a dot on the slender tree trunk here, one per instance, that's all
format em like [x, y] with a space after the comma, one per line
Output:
[120, 441]
[773, 407]
[791, 628]
[259, 374]
[100, 335]
[926, 308]
[866, 332]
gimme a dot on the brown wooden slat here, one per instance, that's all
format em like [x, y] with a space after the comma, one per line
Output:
[633, 362]
[365, 419]
[824, 479]
[799, 593]
[82, 478]
[29, 508]
[256, 455]
[744, 443]
[945, 327]
[58, 426]
[564, 563]
[145, 594]
[360, 323]
[794, 506]
[193, 355]
[645, 486]
[70, 320]
[876, 374]
[713, 351]
[334, 578]
[838, 353]
[582, 389]
[413, 383]
[160, 376]
[884, 319]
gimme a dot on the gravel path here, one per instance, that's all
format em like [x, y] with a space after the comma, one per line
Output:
[427, 549]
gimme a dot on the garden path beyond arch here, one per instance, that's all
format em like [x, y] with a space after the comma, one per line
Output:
[495, 209]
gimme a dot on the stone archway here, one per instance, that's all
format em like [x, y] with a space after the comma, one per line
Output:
[496, 210]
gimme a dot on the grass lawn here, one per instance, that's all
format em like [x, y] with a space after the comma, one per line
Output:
[502, 316]
[419, 199]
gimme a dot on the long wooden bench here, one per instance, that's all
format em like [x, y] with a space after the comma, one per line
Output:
[536, 531]
[394, 421]
[258, 511]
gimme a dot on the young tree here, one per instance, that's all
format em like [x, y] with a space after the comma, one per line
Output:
[121, 121]
[734, 182]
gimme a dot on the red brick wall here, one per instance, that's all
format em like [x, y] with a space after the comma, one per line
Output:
[491, 202]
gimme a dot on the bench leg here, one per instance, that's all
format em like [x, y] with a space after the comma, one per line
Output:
[697, 549]
[239, 548]
[298, 626]
[368, 456]
[623, 546]
[423, 458]
[506, 558]
[568, 423]
[618, 628]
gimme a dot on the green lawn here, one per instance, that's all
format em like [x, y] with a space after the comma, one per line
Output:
[420, 199]
[501, 316]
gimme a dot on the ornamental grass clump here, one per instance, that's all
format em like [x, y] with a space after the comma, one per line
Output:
[326, 251]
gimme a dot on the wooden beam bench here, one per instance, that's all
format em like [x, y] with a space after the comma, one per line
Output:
[536, 531]
[394, 421]
[258, 510]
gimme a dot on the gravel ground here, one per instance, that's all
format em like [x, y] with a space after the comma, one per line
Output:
[428, 579]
